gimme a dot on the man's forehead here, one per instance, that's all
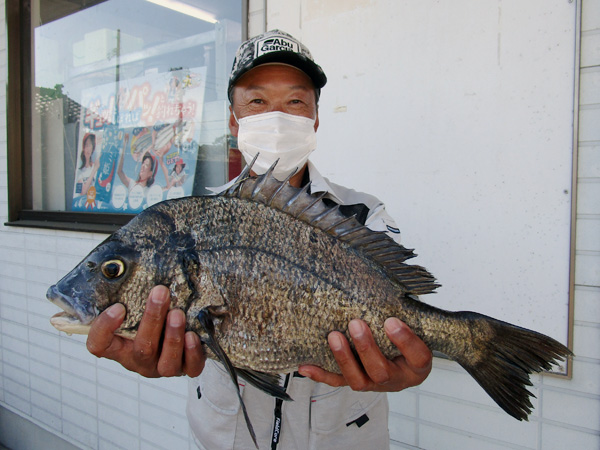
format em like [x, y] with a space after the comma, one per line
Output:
[263, 87]
[265, 75]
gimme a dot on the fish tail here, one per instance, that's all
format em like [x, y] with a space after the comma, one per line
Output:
[503, 357]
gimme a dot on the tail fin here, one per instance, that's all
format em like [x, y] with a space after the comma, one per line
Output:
[507, 359]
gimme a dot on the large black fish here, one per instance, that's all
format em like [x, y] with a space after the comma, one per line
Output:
[264, 271]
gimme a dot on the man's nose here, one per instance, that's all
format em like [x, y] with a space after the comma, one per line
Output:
[277, 106]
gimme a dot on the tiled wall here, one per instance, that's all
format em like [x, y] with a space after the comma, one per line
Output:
[52, 378]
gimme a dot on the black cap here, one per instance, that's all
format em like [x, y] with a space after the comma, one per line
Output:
[274, 46]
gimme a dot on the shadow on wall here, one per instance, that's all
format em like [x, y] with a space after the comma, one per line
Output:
[18, 433]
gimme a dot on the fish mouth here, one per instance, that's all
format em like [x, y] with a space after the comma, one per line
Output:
[69, 324]
[76, 317]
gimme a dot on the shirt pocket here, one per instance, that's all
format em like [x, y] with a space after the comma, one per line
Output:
[213, 407]
[335, 409]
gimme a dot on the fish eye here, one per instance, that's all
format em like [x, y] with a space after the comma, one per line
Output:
[113, 269]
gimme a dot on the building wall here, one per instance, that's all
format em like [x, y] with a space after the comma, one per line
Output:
[449, 410]
[49, 382]
[446, 411]
[55, 386]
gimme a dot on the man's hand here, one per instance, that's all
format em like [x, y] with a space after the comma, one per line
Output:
[376, 373]
[180, 353]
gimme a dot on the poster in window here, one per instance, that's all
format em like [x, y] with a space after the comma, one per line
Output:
[138, 142]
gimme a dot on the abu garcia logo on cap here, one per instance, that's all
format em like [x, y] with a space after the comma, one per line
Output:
[276, 45]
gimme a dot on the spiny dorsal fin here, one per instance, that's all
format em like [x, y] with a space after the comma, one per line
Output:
[297, 202]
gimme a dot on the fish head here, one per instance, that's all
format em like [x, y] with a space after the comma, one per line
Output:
[94, 284]
[147, 251]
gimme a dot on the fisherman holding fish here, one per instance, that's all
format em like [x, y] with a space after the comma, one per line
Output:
[261, 274]
[275, 85]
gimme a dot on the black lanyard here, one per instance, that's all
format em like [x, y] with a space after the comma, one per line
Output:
[278, 418]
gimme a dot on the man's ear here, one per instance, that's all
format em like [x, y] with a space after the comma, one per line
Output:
[233, 125]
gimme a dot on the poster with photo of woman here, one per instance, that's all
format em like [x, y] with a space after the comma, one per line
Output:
[140, 146]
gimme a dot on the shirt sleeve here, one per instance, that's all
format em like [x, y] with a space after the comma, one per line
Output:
[379, 220]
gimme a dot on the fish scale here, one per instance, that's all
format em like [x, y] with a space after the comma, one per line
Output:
[265, 271]
[280, 324]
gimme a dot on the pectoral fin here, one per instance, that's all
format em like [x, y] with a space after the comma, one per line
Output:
[267, 383]
[206, 321]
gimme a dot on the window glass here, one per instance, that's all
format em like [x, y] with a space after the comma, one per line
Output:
[129, 101]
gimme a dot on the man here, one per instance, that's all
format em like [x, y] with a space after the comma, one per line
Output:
[275, 84]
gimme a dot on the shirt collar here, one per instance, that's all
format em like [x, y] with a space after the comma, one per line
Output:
[318, 184]
[218, 189]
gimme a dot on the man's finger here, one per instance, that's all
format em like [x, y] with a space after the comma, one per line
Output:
[322, 376]
[171, 356]
[416, 353]
[101, 335]
[374, 363]
[351, 369]
[194, 357]
[151, 326]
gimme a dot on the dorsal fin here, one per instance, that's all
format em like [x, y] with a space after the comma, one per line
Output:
[297, 202]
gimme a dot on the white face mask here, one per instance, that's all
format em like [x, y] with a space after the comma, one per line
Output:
[276, 135]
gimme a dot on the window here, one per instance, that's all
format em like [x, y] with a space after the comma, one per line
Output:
[115, 105]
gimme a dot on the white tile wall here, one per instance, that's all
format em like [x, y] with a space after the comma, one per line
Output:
[53, 381]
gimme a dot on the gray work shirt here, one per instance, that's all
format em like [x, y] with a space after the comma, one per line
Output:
[320, 416]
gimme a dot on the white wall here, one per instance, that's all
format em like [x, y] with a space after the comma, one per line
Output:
[458, 115]
[452, 112]
[51, 380]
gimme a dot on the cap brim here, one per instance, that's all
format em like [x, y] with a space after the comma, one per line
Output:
[314, 72]
[311, 69]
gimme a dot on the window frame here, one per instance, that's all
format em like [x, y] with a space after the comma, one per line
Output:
[19, 141]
